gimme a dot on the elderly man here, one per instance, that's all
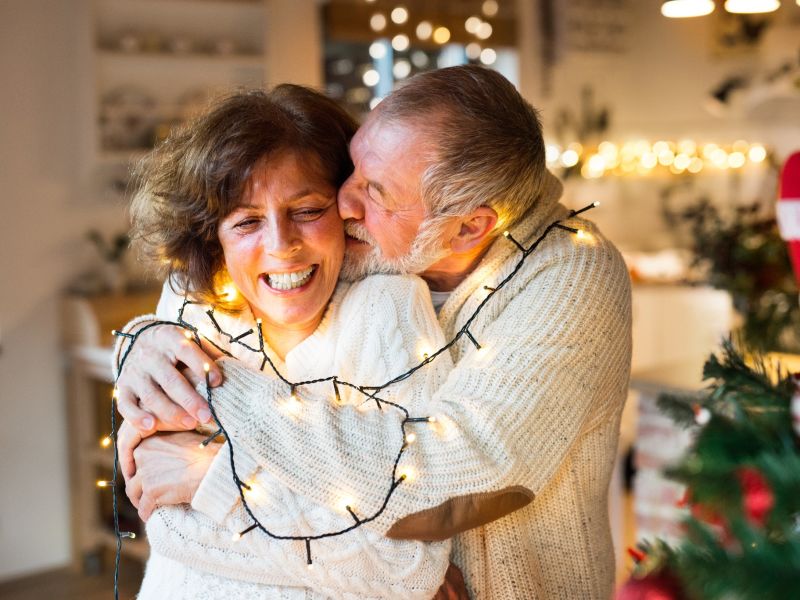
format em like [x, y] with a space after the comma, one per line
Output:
[527, 428]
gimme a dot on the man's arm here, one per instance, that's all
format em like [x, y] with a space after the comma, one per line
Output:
[555, 359]
[152, 392]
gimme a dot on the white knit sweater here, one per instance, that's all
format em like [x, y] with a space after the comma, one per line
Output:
[370, 332]
[539, 407]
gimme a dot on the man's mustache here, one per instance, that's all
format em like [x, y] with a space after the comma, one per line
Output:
[359, 232]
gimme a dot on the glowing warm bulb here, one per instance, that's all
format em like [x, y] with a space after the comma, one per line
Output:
[371, 78]
[581, 235]
[377, 50]
[188, 334]
[206, 367]
[236, 537]
[484, 31]
[488, 56]
[229, 292]
[681, 9]
[407, 473]
[473, 50]
[757, 153]
[441, 35]
[736, 160]
[105, 442]
[472, 24]
[411, 438]
[490, 8]
[399, 15]
[377, 22]
[400, 42]
[432, 419]
[345, 502]
[751, 7]
[569, 158]
[102, 483]
[424, 30]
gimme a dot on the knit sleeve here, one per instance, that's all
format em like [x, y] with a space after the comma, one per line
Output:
[554, 359]
[361, 562]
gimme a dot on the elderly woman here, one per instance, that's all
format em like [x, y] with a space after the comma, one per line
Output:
[242, 207]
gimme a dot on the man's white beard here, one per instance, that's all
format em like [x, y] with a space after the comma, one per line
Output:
[426, 249]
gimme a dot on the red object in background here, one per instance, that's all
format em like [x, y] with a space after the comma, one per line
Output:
[656, 586]
[757, 496]
[788, 210]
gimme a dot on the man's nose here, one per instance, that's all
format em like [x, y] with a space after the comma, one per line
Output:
[349, 201]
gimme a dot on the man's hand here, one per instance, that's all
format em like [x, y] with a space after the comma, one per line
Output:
[152, 392]
[169, 469]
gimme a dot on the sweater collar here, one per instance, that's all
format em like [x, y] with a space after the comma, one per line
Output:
[488, 271]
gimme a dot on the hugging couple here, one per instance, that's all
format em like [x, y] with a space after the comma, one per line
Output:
[355, 250]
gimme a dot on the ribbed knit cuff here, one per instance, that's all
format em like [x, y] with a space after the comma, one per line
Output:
[123, 343]
[217, 494]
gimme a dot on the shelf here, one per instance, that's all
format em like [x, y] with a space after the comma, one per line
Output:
[173, 60]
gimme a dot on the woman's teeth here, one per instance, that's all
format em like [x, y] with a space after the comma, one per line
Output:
[289, 281]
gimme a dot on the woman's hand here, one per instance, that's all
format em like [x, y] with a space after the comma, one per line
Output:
[169, 469]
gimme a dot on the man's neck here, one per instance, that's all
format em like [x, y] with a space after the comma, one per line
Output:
[447, 274]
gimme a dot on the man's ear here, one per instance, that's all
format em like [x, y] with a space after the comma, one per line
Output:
[474, 229]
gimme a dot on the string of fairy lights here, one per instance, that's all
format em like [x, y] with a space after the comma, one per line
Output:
[369, 394]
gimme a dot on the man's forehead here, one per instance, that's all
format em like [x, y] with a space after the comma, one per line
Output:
[380, 139]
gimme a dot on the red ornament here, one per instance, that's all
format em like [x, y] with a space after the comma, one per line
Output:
[656, 586]
[757, 496]
[788, 209]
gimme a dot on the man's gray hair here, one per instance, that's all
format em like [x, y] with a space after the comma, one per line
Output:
[488, 141]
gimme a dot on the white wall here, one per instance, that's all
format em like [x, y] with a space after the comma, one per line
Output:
[45, 213]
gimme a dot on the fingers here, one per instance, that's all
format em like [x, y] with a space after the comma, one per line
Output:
[128, 439]
[196, 358]
[171, 416]
[128, 406]
[133, 489]
[181, 394]
[147, 505]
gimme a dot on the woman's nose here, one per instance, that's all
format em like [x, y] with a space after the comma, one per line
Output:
[282, 239]
[349, 201]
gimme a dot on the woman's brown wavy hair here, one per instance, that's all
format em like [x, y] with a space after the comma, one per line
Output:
[199, 174]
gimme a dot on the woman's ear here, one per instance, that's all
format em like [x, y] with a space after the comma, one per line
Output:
[474, 230]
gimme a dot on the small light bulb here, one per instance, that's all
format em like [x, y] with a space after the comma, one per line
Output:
[206, 367]
[127, 534]
[506, 233]
[431, 419]
[189, 335]
[102, 483]
[310, 566]
[236, 537]
[115, 393]
[596, 204]
[581, 234]
[411, 438]
[106, 441]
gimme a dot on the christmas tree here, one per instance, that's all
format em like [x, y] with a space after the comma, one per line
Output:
[742, 477]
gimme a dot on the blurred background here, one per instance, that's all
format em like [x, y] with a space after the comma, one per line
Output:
[678, 126]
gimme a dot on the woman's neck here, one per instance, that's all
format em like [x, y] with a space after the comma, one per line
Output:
[282, 338]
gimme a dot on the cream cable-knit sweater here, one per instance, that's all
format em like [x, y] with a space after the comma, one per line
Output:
[539, 407]
[369, 333]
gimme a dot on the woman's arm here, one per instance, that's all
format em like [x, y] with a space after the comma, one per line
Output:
[385, 327]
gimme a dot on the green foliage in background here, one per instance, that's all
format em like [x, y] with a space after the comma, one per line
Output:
[742, 474]
[744, 255]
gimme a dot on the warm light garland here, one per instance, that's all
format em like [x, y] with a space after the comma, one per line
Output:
[643, 158]
[399, 474]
